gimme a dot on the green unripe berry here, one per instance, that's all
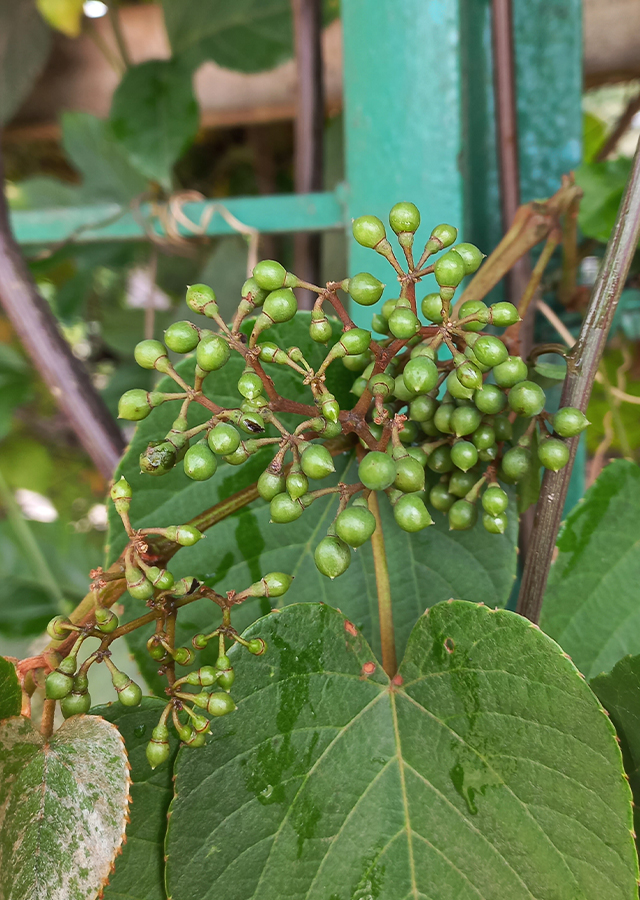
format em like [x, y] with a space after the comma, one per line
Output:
[256, 646]
[130, 694]
[409, 432]
[151, 355]
[226, 679]
[269, 274]
[160, 578]
[357, 363]
[503, 428]
[205, 676]
[185, 535]
[365, 289]
[121, 490]
[55, 629]
[516, 463]
[495, 501]
[183, 656]
[422, 408]
[268, 351]
[329, 407]
[440, 498]
[316, 462]
[411, 514]
[57, 685]
[134, 405]
[474, 308]
[283, 509]
[439, 460]
[355, 341]
[182, 337]
[464, 420]
[223, 439]
[504, 314]
[484, 436]
[463, 515]
[409, 475]
[212, 353]
[401, 391]
[157, 752]
[377, 471]
[381, 385]
[403, 323]
[332, 556]
[368, 231]
[461, 482]
[251, 423]
[158, 459]
[488, 454]
[442, 418]
[250, 384]
[490, 400]
[553, 454]
[464, 455]
[442, 236]
[569, 422]
[223, 662]
[202, 299]
[388, 307]
[106, 620]
[469, 375]
[320, 330]
[433, 308]
[141, 591]
[379, 324]
[355, 525]
[468, 352]
[449, 270]
[527, 399]
[75, 704]
[199, 462]
[420, 375]
[277, 583]
[510, 372]
[280, 305]
[456, 389]
[471, 256]
[270, 484]
[220, 704]
[296, 484]
[404, 217]
[494, 524]
[490, 350]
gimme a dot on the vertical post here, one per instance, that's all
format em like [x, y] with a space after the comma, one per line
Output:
[309, 123]
[402, 116]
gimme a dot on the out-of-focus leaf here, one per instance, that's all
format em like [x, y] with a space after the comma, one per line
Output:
[63, 15]
[43, 192]
[594, 132]
[603, 184]
[154, 115]
[24, 47]
[10, 693]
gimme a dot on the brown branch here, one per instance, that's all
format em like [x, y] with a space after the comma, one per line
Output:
[621, 126]
[582, 367]
[64, 375]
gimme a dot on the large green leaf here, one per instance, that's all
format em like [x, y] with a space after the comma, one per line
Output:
[25, 40]
[485, 770]
[591, 605]
[63, 806]
[139, 872]
[10, 693]
[154, 115]
[618, 691]
[603, 184]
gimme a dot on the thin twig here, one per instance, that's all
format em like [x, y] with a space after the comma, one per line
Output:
[621, 126]
[582, 366]
[385, 611]
[114, 18]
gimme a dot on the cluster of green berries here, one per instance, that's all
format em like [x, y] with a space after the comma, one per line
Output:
[435, 392]
[165, 595]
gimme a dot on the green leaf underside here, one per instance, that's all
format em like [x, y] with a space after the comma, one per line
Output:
[491, 772]
[591, 606]
[619, 693]
[139, 871]
[62, 808]
[10, 693]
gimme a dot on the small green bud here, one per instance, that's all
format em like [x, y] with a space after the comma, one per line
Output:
[182, 337]
[106, 620]
[269, 274]
[281, 305]
[368, 231]
[134, 405]
[185, 535]
[201, 299]
[55, 628]
[365, 289]
[256, 646]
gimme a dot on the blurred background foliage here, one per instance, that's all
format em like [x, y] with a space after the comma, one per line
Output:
[108, 296]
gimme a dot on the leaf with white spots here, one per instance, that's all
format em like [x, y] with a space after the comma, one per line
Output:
[63, 808]
[486, 770]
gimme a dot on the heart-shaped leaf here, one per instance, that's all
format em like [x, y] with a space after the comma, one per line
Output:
[485, 769]
[63, 807]
[591, 605]
[10, 693]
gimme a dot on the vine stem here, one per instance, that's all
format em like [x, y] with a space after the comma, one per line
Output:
[46, 723]
[582, 367]
[385, 612]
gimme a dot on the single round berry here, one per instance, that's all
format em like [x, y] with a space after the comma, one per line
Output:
[157, 752]
[355, 340]
[377, 471]
[182, 337]
[365, 289]
[488, 454]
[141, 591]
[449, 269]
[527, 399]
[134, 405]
[75, 704]
[332, 556]
[442, 418]
[403, 323]
[404, 217]
[159, 578]
[401, 391]
[320, 331]
[226, 679]
[503, 428]
[553, 454]
[411, 514]
[422, 408]
[148, 354]
[409, 475]
[355, 525]
[469, 375]
[464, 455]
[510, 372]
[316, 462]
[569, 422]
[516, 463]
[220, 704]
[250, 384]
[495, 501]
[388, 307]
[463, 515]
[223, 439]
[277, 583]
[256, 646]
[381, 385]
[269, 274]
[357, 362]
[439, 460]
[456, 388]
[494, 524]
[158, 459]
[418, 454]
[284, 509]
[297, 484]
[251, 423]
[280, 305]
[199, 462]
[368, 231]
[130, 695]
[444, 236]
[408, 433]
[464, 420]
[432, 308]
[420, 375]
[106, 620]
[252, 291]
[460, 483]
[212, 353]
[58, 685]
[490, 350]
[440, 498]
[471, 256]
[201, 299]
[379, 324]
[484, 436]
[185, 535]
[55, 628]
[504, 314]
[475, 308]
